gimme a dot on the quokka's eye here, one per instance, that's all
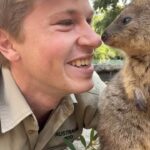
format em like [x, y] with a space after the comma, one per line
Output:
[126, 20]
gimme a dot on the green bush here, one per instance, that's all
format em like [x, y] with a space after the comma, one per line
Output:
[105, 52]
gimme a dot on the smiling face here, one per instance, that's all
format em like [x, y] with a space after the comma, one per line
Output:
[57, 51]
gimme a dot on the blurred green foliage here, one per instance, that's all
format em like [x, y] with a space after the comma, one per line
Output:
[106, 4]
[103, 18]
[105, 52]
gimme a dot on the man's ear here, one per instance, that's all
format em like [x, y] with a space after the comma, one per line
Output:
[6, 47]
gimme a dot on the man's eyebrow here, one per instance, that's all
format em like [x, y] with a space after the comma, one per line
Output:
[74, 11]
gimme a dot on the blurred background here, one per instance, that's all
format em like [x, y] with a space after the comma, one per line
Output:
[107, 60]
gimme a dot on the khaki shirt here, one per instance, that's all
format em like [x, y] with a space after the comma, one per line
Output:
[19, 127]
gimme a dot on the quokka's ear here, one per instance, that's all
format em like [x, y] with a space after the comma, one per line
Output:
[140, 2]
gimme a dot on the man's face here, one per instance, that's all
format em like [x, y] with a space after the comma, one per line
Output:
[57, 51]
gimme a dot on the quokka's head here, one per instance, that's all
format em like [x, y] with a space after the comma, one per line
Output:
[130, 31]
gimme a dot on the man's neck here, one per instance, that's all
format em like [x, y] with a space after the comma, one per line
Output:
[41, 104]
[41, 99]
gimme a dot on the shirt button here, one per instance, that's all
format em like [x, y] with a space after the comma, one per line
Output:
[31, 131]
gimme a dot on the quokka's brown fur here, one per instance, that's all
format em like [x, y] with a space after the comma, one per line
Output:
[124, 106]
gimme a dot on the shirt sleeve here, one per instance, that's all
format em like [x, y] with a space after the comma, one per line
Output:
[87, 106]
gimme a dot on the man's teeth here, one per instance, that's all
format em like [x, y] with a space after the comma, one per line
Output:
[81, 62]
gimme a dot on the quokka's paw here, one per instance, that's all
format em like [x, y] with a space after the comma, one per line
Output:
[140, 100]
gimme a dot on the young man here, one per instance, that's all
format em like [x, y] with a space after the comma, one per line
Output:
[47, 48]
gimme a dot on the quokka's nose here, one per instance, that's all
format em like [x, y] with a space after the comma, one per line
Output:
[104, 36]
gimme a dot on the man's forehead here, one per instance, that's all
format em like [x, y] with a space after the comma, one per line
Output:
[67, 6]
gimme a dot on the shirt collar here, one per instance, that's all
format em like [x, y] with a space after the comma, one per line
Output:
[73, 98]
[13, 106]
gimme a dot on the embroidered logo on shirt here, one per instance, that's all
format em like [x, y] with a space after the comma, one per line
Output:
[68, 134]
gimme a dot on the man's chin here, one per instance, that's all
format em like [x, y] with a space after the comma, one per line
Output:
[84, 89]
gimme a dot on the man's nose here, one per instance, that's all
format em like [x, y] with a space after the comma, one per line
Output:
[89, 37]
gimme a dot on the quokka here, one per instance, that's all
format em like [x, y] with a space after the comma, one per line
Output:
[124, 107]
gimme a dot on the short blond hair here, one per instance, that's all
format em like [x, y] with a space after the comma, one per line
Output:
[12, 14]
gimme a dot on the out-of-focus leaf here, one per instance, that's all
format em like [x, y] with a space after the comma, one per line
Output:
[69, 144]
[82, 139]
[95, 136]
[92, 135]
